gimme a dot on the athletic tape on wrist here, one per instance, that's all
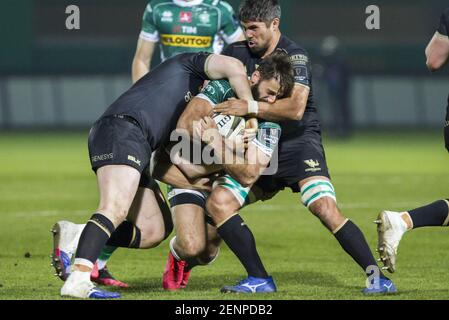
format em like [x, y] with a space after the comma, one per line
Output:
[253, 107]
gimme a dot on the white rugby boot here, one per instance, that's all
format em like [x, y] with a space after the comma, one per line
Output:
[66, 236]
[78, 285]
[390, 229]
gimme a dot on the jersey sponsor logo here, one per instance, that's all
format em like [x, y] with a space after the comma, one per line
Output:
[103, 157]
[301, 74]
[314, 165]
[185, 29]
[186, 41]
[134, 159]
[299, 59]
[167, 16]
[185, 17]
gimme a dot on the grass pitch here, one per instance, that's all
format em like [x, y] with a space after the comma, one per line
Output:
[47, 177]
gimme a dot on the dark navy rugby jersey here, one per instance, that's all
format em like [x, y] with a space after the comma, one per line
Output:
[158, 99]
[444, 23]
[303, 76]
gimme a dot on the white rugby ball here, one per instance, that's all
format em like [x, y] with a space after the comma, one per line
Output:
[229, 126]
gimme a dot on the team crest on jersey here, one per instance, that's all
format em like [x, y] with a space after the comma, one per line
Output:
[204, 18]
[167, 16]
[210, 90]
[185, 17]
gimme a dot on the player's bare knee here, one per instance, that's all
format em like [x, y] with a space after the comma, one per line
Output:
[221, 205]
[191, 246]
[114, 212]
[325, 209]
[151, 236]
[216, 207]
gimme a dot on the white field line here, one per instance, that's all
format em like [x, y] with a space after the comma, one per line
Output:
[258, 207]
[49, 213]
[349, 205]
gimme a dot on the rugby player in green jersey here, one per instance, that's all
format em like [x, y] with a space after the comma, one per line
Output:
[197, 242]
[184, 26]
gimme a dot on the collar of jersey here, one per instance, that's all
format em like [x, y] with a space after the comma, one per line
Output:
[182, 3]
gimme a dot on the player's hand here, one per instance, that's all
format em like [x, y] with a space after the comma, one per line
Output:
[207, 129]
[204, 184]
[233, 107]
[251, 129]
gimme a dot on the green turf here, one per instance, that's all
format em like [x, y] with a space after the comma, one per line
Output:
[46, 177]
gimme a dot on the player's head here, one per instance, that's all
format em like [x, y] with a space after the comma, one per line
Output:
[260, 19]
[273, 78]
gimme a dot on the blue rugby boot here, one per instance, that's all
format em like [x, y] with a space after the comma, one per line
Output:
[385, 286]
[252, 285]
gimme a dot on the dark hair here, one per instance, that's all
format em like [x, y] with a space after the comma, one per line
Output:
[277, 65]
[260, 11]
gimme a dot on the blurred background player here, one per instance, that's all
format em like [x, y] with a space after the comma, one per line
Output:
[184, 26]
[393, 225]
[336, 77]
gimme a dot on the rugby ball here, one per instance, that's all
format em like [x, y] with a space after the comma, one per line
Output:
[229, 126]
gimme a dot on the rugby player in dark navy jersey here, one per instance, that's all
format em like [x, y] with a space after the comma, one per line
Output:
[302, 162]
[120, 147]
[393, 225]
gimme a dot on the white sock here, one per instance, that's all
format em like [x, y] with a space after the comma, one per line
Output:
[404, 227]
[80, 276]
[173, 251]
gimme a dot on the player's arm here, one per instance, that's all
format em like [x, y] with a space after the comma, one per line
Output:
[437, 52]
[223, 67]
[142, 59]
[288, 108]
[196, 110]
[291, 108]
[163, 170]
[230, 28]
[146, 44]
